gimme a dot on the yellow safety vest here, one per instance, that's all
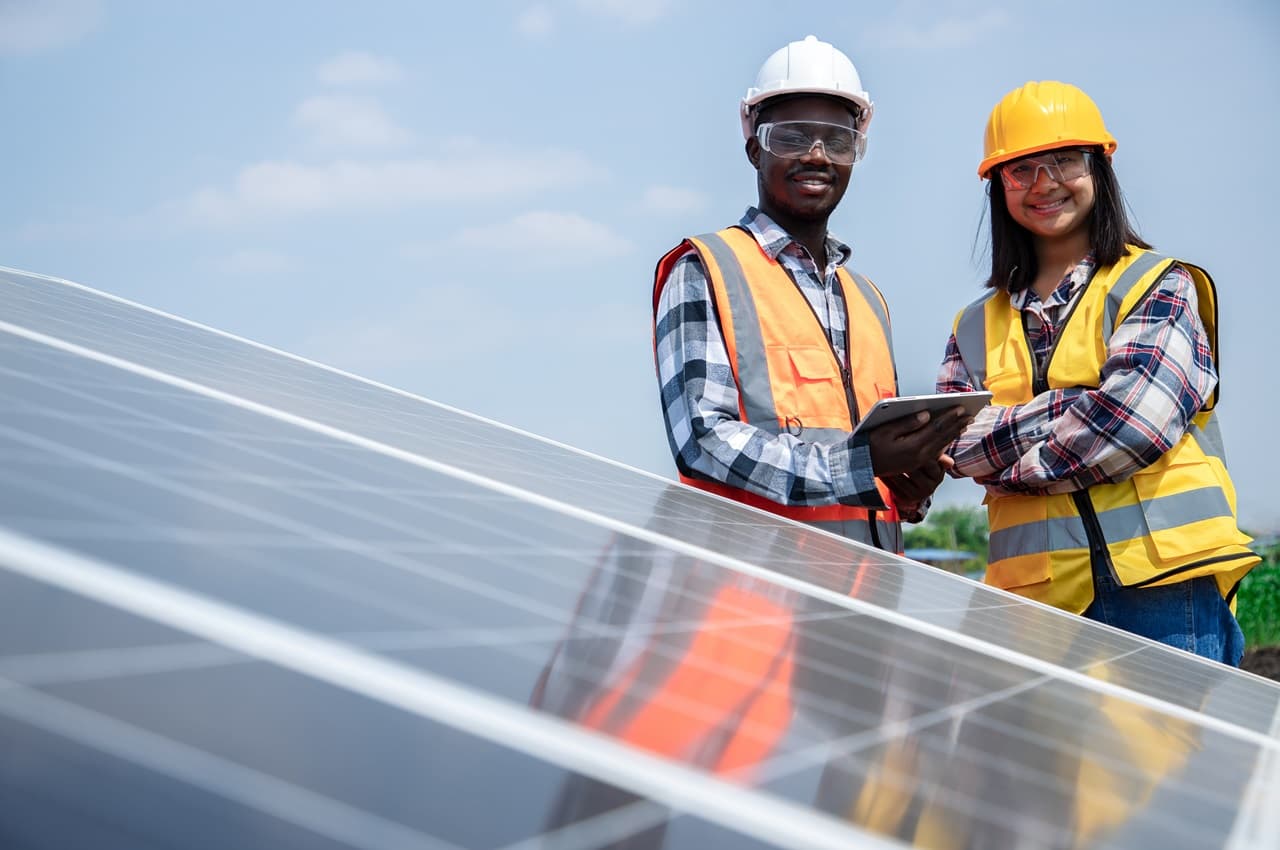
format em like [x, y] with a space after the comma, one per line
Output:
[1172, 521]
[786, 371]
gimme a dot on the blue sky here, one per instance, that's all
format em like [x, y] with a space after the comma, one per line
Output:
[467, 200]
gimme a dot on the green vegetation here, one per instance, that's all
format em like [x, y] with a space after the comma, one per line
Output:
[1258, 601]
[959, 528]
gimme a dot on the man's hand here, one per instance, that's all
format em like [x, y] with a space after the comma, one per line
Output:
[912, 488]
[913, 443]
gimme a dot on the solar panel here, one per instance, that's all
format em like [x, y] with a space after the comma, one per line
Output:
[252, 601]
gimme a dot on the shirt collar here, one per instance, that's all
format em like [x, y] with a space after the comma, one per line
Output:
[773, 239]
[1063, 292]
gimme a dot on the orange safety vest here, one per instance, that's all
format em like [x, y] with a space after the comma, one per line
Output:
[724, 703]
[786, 371]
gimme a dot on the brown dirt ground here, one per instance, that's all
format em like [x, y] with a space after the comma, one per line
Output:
[1264, 661]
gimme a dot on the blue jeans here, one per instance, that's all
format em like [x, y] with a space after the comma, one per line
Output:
[1190, 615]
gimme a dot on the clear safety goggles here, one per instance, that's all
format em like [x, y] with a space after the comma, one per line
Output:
[794, 139]
[1061, 166]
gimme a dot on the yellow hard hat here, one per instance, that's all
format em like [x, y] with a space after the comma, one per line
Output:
[1039, 117]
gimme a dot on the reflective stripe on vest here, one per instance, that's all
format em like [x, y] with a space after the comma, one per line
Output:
[1124, 285]
[971, 338]
[1171, 521]
[1127, 522]
[785, 369]
[755, 392]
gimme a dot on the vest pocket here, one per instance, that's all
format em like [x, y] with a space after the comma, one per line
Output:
[1008, 387]
[812, 389]
[1019, 541]
[1186, 509]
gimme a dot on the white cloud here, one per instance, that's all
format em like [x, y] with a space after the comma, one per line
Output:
[32, 26]
[536, 21]
[672, 200]
[961, 30]
[356, 67]
[341, 120]
[469, 173]
[627, 11]
[543, 237]
[248, 263]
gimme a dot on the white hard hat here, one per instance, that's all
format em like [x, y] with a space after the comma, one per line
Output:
[806, 67]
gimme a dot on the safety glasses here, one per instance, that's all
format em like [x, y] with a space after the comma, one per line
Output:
[1061, 166]
[795, 139]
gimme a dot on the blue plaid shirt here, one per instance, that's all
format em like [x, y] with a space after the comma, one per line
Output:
[700, 398]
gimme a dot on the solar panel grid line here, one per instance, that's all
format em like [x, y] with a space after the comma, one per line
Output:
[50, 668]
[151, 660]
[347, 486]
[115, 662]
[1084, 794]
[251, 788]
[223, 473]
[882, 733]
[911, 783]
[683, 789]
[948, 711]
[1173, 825]
[606, 830]
[331, 369]
[317, 534]
[1258, 821]
[665, 541]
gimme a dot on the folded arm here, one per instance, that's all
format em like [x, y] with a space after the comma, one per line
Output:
[1158, 372]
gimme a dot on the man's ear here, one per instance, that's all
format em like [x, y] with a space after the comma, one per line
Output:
[753, 150]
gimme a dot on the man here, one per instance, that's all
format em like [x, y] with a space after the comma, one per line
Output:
[768, 350]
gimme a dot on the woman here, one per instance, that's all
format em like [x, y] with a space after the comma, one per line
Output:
[1107, 490]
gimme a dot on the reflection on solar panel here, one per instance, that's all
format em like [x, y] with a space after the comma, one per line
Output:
[253, 602]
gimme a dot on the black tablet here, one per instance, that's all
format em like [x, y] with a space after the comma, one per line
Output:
[889, 409]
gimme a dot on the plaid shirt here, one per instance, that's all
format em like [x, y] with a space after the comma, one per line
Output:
[700, 398]
[1158, 372]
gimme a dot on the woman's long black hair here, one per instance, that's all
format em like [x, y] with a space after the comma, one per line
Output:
[1013, 255]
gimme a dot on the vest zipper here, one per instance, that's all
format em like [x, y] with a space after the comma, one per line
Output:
[845, 366]
[1099, 555]
[846, 377]
[1201, 563]
[875, 529]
